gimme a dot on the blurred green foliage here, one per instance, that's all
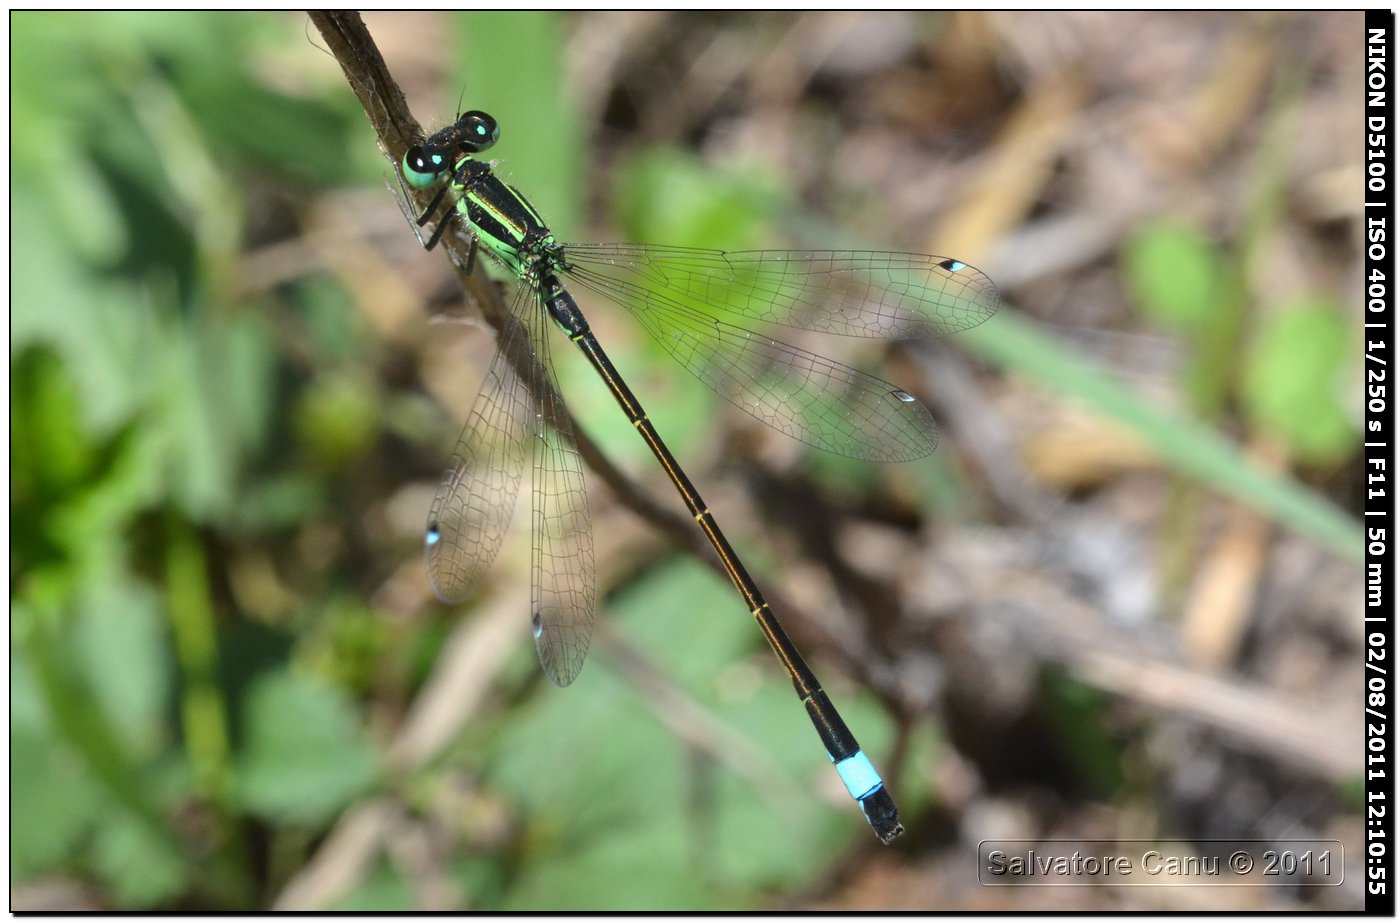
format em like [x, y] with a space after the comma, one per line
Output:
[1176, 275]
[304, 756]
[1292, 373]
[541, 131]
[669, 196]
[194, 456]
[145, 396]
[630, 803]
[1296, 383]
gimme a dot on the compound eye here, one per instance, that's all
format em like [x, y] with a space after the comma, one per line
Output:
[421, 166]
[477, 130]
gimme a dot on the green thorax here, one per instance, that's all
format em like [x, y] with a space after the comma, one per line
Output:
[504, 221]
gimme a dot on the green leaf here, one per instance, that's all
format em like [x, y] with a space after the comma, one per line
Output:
[1295, 380]
[98, 328]
[642, 797]
[304, 757]
[672, 198]
[384, 889]
[513, 68]
[1174, 275]
[141, 868]
[646, 869]
[52, 453]
[278, 501]
[121, 641]
[53, 799]
[337, 419]
[247, 366]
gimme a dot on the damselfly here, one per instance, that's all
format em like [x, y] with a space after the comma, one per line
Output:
[696, 304]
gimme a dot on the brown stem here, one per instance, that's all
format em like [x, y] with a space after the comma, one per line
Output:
[351, 45]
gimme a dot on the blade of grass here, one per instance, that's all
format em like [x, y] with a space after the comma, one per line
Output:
[1191, 447]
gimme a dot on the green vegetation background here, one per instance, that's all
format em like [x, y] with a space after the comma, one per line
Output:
[174, 419]
[208, 459]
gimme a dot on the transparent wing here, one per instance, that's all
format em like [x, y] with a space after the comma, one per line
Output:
[807, 396]
[849, 293]
[474, 502]
[562, 586]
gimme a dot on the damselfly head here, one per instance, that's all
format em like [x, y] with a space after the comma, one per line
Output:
[423, 163]
[473, 133]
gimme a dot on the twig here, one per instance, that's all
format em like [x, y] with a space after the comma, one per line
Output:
[351, 45]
